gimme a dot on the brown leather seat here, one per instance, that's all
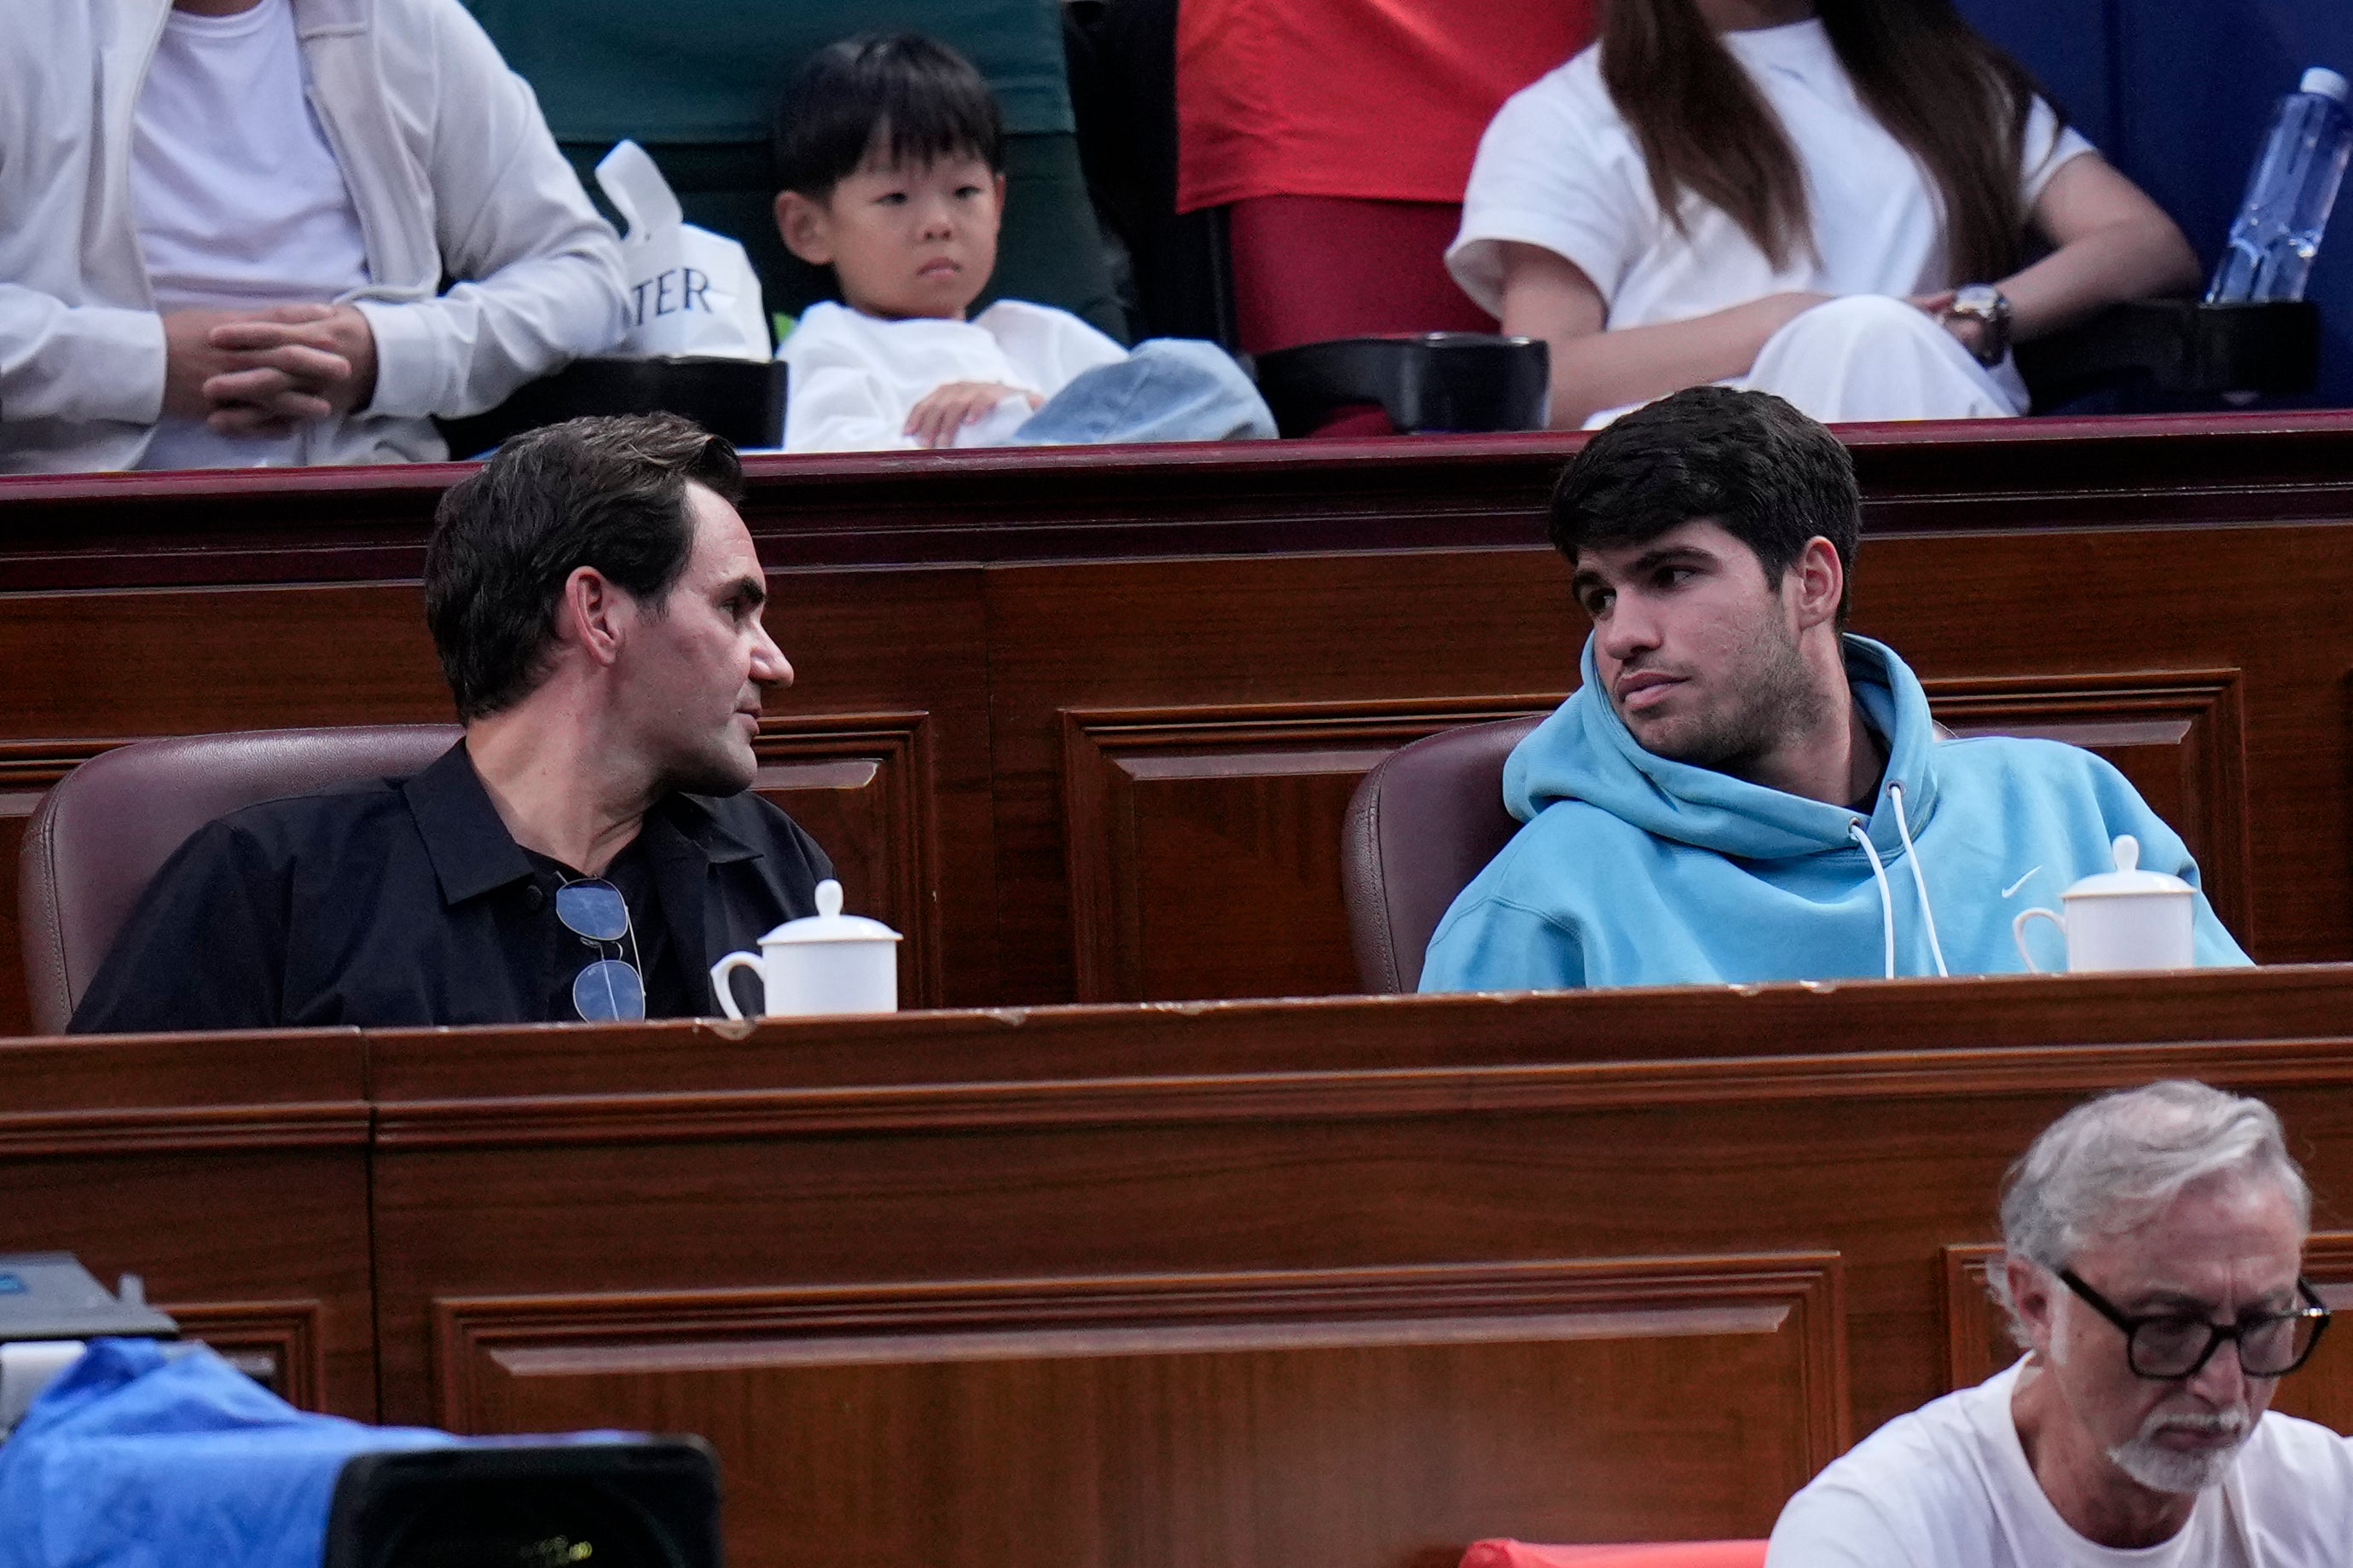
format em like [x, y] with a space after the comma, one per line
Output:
[1422, 823]
[100, 836]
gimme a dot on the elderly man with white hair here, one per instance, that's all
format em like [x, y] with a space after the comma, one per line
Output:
[2153, 1243]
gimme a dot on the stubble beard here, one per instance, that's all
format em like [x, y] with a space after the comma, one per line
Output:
[711, 780]
[717, 768]
[1777, 699]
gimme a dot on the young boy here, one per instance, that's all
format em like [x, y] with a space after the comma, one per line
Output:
[890, 154]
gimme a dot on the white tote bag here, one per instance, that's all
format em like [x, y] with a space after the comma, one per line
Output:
[691, 291]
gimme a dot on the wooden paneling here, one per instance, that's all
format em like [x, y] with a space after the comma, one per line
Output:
[1082, 647]
[275, 1343]
[891, 667]
[1204, 844]
[113, 530]
[861, 785]
[1978, 1342]
[1091, 1283]
[1317, 1135]
[1354, 638]
[1360, 1416]
[229, 1173]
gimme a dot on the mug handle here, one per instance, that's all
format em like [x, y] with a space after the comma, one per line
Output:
[2018, 935]
[719, 974]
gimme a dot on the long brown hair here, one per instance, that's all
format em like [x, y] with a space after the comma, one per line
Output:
[1956, 102]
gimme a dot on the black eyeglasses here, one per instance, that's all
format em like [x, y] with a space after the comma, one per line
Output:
[2174, 1345]
[610, 990]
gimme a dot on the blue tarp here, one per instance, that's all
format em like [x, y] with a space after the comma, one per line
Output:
[130, 1460]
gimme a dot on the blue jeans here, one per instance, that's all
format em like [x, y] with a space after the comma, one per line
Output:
[1167, 389]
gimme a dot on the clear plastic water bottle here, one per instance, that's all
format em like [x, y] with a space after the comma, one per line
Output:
[2289, 193]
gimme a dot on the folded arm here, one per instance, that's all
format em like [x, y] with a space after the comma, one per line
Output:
[2109, 243]
[78, 361]
[1546, 296]
[541, 273]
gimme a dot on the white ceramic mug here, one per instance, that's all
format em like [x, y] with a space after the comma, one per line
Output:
[2123, 919]
[825, 963]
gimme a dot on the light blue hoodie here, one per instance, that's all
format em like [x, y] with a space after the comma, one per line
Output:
[1635, 870]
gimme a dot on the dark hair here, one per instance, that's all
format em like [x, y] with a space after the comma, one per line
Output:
[1746, 462]
[903, 99]
[1955, 101]
[607, 493]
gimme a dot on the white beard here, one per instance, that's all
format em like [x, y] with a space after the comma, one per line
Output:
[2165, 1470]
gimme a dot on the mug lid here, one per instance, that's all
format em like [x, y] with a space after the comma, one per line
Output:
[830, 925]
[2127, 878]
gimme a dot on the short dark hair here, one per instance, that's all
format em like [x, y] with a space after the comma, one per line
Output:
[901, 97]
[1747, 461]
[609, 493]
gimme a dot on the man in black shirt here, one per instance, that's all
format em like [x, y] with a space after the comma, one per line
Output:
[588, 849]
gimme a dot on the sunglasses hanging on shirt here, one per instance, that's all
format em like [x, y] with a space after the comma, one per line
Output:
[610, 990]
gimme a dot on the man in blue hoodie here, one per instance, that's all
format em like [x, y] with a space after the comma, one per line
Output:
[1742, 790]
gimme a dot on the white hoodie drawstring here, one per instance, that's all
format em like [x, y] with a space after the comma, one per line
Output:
[1854, 830]
[1919, 880]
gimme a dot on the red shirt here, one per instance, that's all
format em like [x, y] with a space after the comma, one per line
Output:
[1377, 99]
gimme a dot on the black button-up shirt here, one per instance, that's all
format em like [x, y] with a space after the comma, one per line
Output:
[406, 901]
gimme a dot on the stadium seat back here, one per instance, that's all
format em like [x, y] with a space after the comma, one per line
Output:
[1426, 820]
[1310, 269]
[699, 91]
[98, 837]
[1339, 136]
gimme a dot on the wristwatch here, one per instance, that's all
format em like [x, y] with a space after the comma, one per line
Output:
[1989, 308]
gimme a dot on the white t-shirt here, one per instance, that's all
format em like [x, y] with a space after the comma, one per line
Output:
[1948, 1487]
[1561, 169]
[241, 201]
[855, 378]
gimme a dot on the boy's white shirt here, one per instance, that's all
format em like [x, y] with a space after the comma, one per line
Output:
[855, 378]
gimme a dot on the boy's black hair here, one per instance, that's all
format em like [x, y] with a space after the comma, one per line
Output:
[1746, 462]
[902, 97]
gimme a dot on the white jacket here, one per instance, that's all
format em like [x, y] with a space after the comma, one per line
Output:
[855, 378]
[449, 163]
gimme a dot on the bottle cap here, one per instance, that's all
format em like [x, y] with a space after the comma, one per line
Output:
[2325, 82]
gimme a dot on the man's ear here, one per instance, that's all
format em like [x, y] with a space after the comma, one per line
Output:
[1819, 581]
[1001, 195]
[588, 616]
[2037, 1304]
[806, 227]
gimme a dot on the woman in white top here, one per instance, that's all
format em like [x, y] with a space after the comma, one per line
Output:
[1789, 196]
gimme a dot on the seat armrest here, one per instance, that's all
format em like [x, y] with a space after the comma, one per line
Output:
[1423, 381]
[742, 400]
[2181, 347]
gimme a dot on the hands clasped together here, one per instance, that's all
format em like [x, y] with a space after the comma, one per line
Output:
[264, 372]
